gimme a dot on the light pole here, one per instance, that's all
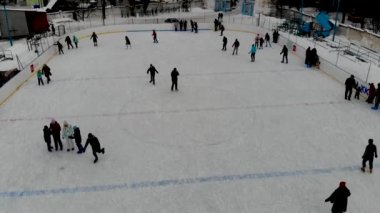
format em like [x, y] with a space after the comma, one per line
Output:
[336, 20]
[6, 19]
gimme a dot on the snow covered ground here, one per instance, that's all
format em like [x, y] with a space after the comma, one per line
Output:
[237, 137]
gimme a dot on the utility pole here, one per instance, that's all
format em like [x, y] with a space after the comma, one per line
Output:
[336, 20]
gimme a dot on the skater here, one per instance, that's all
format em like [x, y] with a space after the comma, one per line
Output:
[308, 58]
[275, 36]
[53, 28]
[78, 139]
[313, 57]
[216, 25]
[174, 75]
[192, 25]
[350, 83]
[339, 198]
[371, 93]
[252, 52]
[196, 27]
[180, 25]
[55, 130]
[175, 26]
[68, 134]
[377, 98]
[221, 29]
[235, 45]
[267, 40]
[39, 77]
[284, 53]
[154, 34]
[76, 41]
[127, 42]
[60, 48]
[46, 72]
[261, 42]
[68, 42]
[94, 38]
[257, 40]
[224, 48]
[185, 25]
[95, 145]
[47, 138]
[152, 70]
[357, 92]
[369, 152]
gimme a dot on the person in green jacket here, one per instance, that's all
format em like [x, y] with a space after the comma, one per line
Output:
[75, 40]
[39, 77]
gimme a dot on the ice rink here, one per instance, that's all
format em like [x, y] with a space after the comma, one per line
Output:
[238, 136]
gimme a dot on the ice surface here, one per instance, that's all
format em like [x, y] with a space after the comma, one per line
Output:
[237, 136]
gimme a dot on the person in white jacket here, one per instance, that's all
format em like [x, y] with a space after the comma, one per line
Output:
[68, 134]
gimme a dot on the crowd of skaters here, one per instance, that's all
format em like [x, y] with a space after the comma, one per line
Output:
[69, 133]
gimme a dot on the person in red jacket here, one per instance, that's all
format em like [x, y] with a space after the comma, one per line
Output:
[371, 93]
[339, 198]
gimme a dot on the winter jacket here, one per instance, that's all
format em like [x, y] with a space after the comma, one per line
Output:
[75, 39]
[46, 70]
[67, 131]
[350, 82]
[370, 151]
[68, 39]
[94, 37]
[94, 142]
[77, 136]
[39, 74]
[253, 49]
[267, 37]
[284, 51]
[372, 90]
[236, 44]
[174, 75]
[152, 70]
[224, 40]
[55, 128]
[47, 134]
[339, 199]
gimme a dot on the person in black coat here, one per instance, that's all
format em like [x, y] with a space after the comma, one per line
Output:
[152, 70]
[46, 72]
[339, 198]
[68, 42]
[216, 24]
[196, 27]
[284, 53]
[350, 84]
[95, 145]
[369, 152]
[192, 25]
[235, 45]
[47, 138]
[94, 38]
[224, 48]
[174, 74]
[180, 25]
[78, 139]
[308, 57]
[185, 25]
[313, 57]
[358, 89]
[60, 48]
[267, 40]
[127, 41]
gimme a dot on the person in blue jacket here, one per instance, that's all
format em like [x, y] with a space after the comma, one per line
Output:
[253, 52]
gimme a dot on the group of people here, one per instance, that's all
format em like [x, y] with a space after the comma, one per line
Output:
[70, 133]
[182, 25]
[174, 75]
[45, 70]
[311, 58]
[69, 43]
[373, 93]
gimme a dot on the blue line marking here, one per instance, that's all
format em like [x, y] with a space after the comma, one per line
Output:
[176, 182]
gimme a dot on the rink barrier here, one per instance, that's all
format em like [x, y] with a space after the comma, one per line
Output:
[179, 182]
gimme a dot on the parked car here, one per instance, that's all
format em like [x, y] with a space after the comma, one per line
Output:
[171, 20]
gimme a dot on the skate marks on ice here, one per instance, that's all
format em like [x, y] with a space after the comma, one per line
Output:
[178, 182]
[204, 109]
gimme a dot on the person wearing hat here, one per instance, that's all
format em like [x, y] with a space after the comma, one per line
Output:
[95, 145]
[78, 139]
[350, 84]
[339, 198]
[47, 137]
[68, 135]
[369, 152]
